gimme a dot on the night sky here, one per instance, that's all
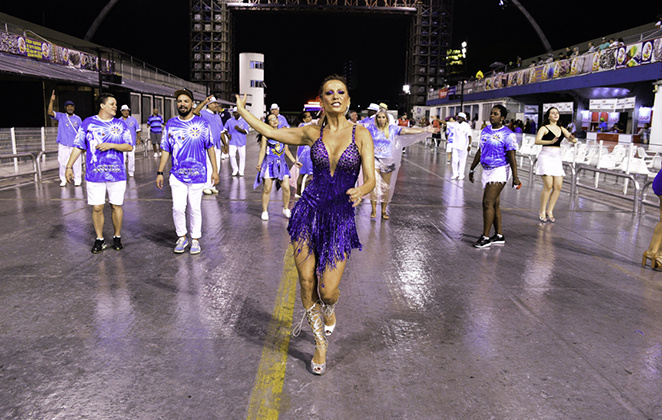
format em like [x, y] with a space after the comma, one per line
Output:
[301, 49]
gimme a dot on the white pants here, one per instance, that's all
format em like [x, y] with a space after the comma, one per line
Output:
[459, 162]
[130, 157]
[241, 151]
[210, 169]
[181, 193]
[63, 155]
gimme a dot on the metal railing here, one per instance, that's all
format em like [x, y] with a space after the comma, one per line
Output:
[36, 168]
[636, 196]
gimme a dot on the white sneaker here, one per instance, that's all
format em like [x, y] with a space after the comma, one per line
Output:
[156, 155]
[461, 178]
[63, 184]
[454, 177]
[265, 215]
[214, 190]
[287, 213]
[195, 247]
[131, 174]
[235, 173]
[79, 183]
[207, 191]
[241, 174]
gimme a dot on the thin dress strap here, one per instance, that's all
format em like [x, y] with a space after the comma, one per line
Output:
[353, 132]
[321, 132]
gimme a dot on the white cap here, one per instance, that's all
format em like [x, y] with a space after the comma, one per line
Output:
[213, 100]
[232, 110]
[373, 107]
[125, 108]
[462, 115]
[274, 106]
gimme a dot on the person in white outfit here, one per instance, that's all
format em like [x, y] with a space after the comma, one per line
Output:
[134, 128]
[67, 129]
[236, 129]
[461, 145]
[213, 118]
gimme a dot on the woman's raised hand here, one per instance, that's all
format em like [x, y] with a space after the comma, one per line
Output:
[241, 101]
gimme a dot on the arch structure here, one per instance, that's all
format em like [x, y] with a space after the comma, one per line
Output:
[213, 58]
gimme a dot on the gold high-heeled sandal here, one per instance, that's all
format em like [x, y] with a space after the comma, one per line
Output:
[314, 317]
[328, 311]
[656, 263]
[648, 256]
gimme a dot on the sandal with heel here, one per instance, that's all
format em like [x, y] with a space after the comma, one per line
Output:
[328, 311]
[550, 217]
[648, 256]
[314, 317]
[542, 217]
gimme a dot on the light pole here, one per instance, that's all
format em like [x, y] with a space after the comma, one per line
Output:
[464, 73]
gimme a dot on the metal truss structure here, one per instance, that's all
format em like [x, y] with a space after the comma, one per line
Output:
[212, 55]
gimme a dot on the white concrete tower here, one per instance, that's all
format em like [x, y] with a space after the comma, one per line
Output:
[251, 82]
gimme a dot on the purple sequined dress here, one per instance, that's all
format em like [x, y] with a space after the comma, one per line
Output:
[323, 218]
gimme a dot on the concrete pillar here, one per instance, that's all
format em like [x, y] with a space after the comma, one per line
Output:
[656, 120]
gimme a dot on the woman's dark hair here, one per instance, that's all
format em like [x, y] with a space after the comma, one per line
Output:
[333, 77]
[545, 120]
[302, 115]
[502, 110]
[103, 98]
[266, 121]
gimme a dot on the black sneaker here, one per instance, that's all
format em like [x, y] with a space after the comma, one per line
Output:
[498, 239]
[99, 245]
[117, 243]
[482, 242]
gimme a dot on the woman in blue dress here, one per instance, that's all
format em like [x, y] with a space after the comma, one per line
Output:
[271, 166]
[322, 227]
[496, 154]
[303, 157]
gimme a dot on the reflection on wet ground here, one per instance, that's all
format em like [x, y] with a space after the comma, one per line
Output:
[560, 322]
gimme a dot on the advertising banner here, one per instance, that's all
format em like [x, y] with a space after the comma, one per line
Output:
[51, 53]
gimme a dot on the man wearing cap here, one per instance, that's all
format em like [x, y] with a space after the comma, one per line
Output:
[237, 128]
[372, 110]
[461, 146]
[134, 128]
[188, 140]
[603, 127]
[282, 121]
[104, 139]
[155, 122]
[67, 127]
[211, 115]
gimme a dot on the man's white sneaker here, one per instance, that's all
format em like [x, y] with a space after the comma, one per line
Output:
[130, 173]
[235, 173]
[207, 191]
[63, 184]
[79, 183]
[241, 174]
[181, 245]
[156, 155]
[287, 213]
[195, 247]
[265, 215]
[214, 190]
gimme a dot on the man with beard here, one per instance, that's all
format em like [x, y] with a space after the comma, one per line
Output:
[67, 128]
[186, 138]
[104, 139]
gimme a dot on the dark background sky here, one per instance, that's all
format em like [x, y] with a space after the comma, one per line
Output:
[301, 49]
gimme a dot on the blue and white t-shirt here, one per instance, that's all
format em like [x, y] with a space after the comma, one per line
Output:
[383, 146]
[105, 166]
[215, 126]
[187, 142]
[494, 144]
[134, 127]
[67, 128]
[238, 139]
[282, 122]
[450, 132]
[155, 123]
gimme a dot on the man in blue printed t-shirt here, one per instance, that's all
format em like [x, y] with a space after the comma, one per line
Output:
[187, 139]
[104, 139]
[155, 122]
[213, 118]
[236, 128]
[135, 130]
[67, 127]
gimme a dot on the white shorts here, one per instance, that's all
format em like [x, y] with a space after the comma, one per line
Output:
[96, 193]
[496, 175]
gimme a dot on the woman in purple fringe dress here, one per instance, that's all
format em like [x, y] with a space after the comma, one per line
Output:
[322, 225]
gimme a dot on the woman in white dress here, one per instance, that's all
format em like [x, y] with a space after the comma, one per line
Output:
[550, 165]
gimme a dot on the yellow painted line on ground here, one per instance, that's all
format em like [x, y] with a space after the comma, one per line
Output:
[266, 395]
